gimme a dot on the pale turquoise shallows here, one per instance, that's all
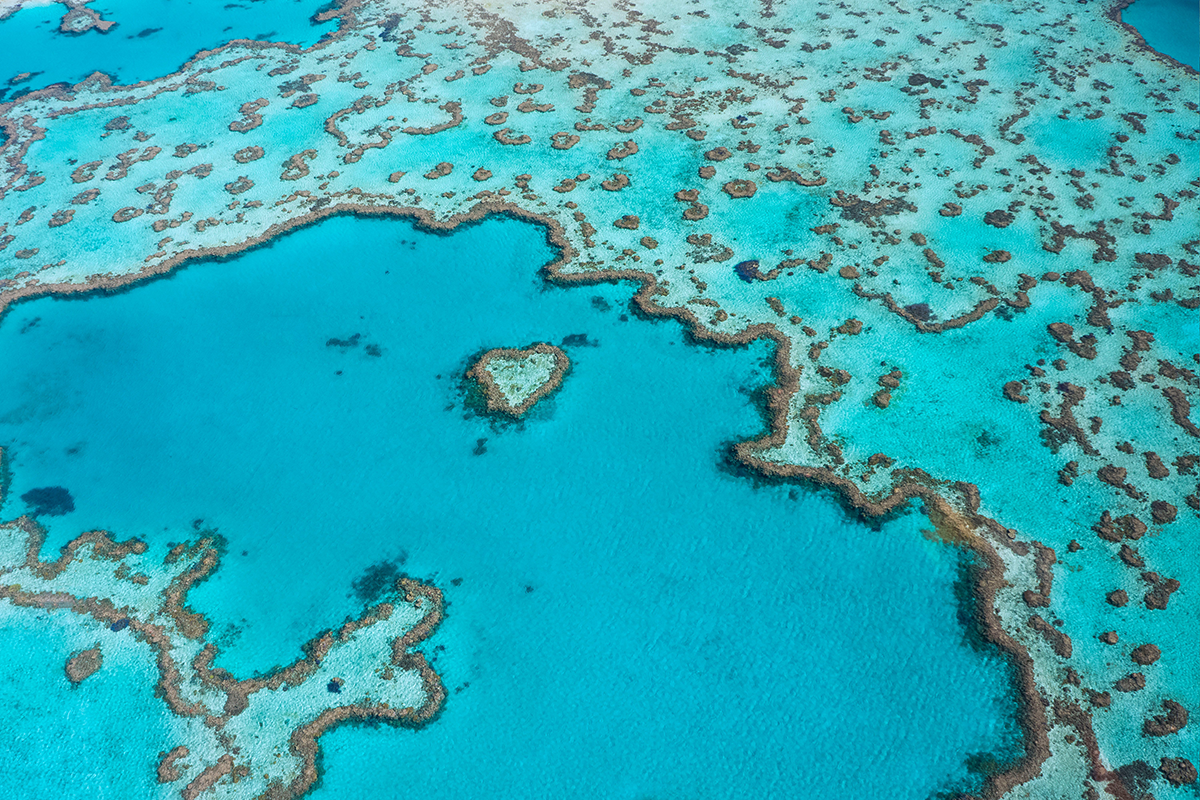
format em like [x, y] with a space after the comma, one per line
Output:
[626, 617]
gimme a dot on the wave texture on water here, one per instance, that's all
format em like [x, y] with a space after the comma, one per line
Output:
[959, 336]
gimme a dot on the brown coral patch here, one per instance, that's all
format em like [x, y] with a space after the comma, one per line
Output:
[1130, 558]
[1180, 410]
[1134, 682]
[167, 771]
[128, 159]
[1064, 333]
[616, 183]
[1178, 771]
[85, 172]
[1060, 643]
[852, 327]
[1163, 512]
[126, 214]
[1012, 391]
[296, 167]
[1160, 595]
[502, 136]
[1155, 467]
[242, 184]
[740, 188]
[1126, 526]
[781, 173]
[251, 119]
[83, 198]
[1175, 720]
[208, 778]
[248, 154]
[623, 150]
[527, 106]
[563, 140]
[867, 212]
[1146, 654]
[998, 218]
[453, 108]
[83, 664]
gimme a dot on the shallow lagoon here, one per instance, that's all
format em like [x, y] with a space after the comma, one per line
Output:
[626, 617]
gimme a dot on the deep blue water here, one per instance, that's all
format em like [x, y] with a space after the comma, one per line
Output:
[1169, 26]
[152, 38]
[633, 620]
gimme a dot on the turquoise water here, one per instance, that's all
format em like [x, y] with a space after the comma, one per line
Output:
[152, 38]
[626, 616]
[1169, 26]
[103, 737]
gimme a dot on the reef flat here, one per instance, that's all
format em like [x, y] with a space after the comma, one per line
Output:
[513, 381]
[256, 737]
[968, 231]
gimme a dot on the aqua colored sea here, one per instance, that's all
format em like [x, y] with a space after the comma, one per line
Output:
[151, 38]
[627, 616]
[1170, 26]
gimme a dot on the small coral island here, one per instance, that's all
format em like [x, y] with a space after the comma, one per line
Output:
[513, 381]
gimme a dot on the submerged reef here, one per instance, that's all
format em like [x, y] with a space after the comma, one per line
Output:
[969, 231]
[255, 737]
[513, 381]
[82, 665]
[78, 18]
